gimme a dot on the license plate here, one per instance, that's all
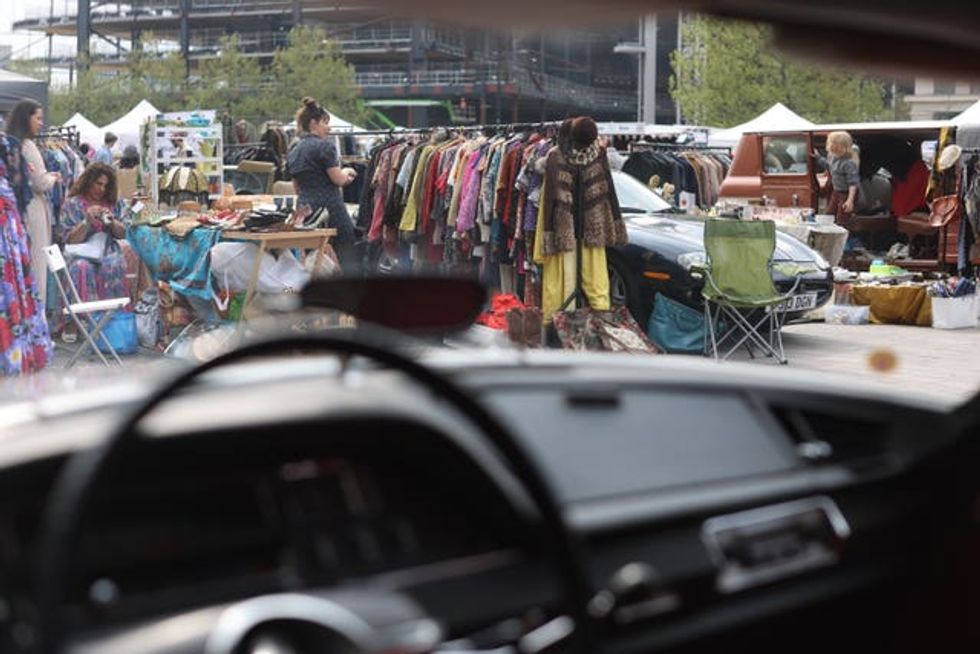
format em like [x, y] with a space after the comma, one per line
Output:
[801, 302]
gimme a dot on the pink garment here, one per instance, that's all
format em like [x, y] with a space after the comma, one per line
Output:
[470, 193]
[380, 193]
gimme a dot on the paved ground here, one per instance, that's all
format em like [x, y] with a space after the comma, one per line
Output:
[937, 363]
[86, 375]
[941, 363]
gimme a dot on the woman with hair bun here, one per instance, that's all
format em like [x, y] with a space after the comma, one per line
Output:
[318, 178]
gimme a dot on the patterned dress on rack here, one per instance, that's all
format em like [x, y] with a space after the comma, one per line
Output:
[25, 344]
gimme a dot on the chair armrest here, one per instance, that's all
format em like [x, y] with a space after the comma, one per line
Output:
[791, 292]
[705, 271]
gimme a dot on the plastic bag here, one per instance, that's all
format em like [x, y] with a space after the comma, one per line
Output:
[232, 265]
[281, 275]
[329, 264]
[120, 332]
[846, 314]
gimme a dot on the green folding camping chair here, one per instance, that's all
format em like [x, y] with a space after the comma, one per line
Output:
[742, 305]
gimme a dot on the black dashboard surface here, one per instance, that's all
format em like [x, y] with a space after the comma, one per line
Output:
[599, 444]
[336, 498]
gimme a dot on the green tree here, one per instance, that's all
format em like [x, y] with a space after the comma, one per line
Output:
[159, 76]
[232, 81]
[729, 72]
[28, 68]
[101, 97]
[312, 65]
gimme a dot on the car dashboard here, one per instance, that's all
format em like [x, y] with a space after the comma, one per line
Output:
[703, 506]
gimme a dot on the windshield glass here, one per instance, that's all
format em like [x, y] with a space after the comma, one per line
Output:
[635, 197]
[610, 166]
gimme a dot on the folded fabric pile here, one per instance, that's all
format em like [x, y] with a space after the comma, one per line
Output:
[953, 287]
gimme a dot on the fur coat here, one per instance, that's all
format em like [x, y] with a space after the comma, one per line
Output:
[580, 201]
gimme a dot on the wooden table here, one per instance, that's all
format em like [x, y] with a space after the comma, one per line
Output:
[314, 239]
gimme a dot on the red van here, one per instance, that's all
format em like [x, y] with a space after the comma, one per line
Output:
[778, 166]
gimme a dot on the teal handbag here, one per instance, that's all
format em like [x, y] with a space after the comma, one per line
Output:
[675, 327]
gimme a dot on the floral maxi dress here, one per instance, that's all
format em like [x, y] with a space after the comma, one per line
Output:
[25, 344]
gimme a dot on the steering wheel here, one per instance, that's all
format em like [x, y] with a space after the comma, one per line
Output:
[72, 493]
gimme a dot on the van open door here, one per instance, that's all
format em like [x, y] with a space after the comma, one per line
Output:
[788, 174]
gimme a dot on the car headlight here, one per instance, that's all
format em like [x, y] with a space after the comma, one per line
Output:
[821, 262]
[690, 259]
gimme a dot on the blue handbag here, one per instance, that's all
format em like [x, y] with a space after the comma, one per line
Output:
[675, 327]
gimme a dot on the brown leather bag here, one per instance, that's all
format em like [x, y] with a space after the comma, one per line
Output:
[946, 207]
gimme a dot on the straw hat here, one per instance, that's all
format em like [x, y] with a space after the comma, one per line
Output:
[949, 156]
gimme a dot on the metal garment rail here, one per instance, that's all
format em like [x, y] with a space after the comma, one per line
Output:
[69, 133]
[637, 146]
[497, 127]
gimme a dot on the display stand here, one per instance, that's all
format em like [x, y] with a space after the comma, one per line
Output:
[577, 296]
[190, 131]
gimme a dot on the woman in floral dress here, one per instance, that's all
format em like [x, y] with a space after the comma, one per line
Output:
[94, 211]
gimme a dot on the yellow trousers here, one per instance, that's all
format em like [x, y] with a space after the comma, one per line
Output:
[558, 281]
[558, 277]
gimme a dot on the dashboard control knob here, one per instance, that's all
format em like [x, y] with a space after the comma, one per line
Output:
[638, 593]
[635, 582]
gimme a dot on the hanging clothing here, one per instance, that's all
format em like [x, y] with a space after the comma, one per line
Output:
[580, 202]
[470, 205]
[699, 173]
[909, 194]
[184, 264]
[25, 344]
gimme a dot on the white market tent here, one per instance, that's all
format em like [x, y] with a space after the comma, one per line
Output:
[128, 127]
[971, 116]
[777, 117]
[88, 132]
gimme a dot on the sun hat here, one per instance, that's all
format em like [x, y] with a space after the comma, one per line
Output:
[949, 156]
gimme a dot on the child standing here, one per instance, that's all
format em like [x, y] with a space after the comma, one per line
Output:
[845, 180]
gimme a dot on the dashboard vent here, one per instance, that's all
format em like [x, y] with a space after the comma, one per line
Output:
[823, 437]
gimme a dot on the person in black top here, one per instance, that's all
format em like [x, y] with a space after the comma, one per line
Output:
[318, 178]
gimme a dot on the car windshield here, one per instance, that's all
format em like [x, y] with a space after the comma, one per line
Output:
[634, 197]
[620, 165]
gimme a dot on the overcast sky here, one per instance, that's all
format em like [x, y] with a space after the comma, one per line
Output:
[31, 44]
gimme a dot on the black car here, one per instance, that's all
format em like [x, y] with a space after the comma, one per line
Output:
[664, 244]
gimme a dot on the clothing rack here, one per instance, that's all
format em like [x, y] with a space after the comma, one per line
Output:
[410, 131]
[648, 145]
[68, 133]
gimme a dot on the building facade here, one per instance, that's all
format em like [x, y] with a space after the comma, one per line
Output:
[936, 99]
[416, 73]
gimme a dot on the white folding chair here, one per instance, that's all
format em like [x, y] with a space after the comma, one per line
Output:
[83, 312]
